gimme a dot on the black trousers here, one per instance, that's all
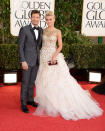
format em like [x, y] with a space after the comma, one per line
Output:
[27, 87]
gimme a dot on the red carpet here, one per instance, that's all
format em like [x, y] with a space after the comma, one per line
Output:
[13, 119]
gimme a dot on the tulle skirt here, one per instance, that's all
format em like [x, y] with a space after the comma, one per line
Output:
[58, 93]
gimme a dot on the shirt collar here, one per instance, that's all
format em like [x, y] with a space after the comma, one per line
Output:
[32, 25]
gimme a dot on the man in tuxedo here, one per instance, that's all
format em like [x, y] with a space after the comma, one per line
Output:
[29, 45]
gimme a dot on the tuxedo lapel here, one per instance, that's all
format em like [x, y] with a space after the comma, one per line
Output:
[39, 35]
[32, 31]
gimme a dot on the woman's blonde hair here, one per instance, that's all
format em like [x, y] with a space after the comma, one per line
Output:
[49, 13]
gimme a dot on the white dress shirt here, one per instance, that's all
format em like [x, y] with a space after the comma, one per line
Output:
[35, 31]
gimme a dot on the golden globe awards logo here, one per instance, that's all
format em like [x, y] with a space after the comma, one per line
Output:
[23, 16]
[93, 18]
[95, 15]
[21, 12]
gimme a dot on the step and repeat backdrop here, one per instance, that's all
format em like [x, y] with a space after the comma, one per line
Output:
[93, 15]
[93, 18]
[21, 10]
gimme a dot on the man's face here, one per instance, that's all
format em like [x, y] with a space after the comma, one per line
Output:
[35, 19]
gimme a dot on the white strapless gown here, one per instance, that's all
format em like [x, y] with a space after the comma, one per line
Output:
[57, 92]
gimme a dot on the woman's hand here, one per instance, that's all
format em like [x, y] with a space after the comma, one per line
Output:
[53, 61]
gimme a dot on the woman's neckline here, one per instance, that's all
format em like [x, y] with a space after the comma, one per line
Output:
[50, 29]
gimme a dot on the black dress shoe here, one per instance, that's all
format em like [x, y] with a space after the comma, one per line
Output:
[25, 109]
[32, 103]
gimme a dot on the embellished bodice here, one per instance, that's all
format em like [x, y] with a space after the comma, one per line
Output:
[49, 44]
[50, 38]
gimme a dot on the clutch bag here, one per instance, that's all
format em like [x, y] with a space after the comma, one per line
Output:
[49, 63]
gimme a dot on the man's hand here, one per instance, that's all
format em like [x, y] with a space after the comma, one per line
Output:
[24, 65]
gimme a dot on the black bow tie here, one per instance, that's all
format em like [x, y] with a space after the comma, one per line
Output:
[35, 28]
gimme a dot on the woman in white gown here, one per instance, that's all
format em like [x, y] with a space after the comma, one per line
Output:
[57, 92]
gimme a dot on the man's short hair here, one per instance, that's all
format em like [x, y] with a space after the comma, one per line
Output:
[35, 12]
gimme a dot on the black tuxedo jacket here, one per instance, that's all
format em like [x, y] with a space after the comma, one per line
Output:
[28, 46]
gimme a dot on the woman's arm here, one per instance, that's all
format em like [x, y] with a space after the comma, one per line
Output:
[59, 38]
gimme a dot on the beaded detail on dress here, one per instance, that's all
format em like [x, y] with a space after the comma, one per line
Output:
[49, 44]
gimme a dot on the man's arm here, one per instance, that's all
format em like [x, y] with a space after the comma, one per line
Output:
[21, 42]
